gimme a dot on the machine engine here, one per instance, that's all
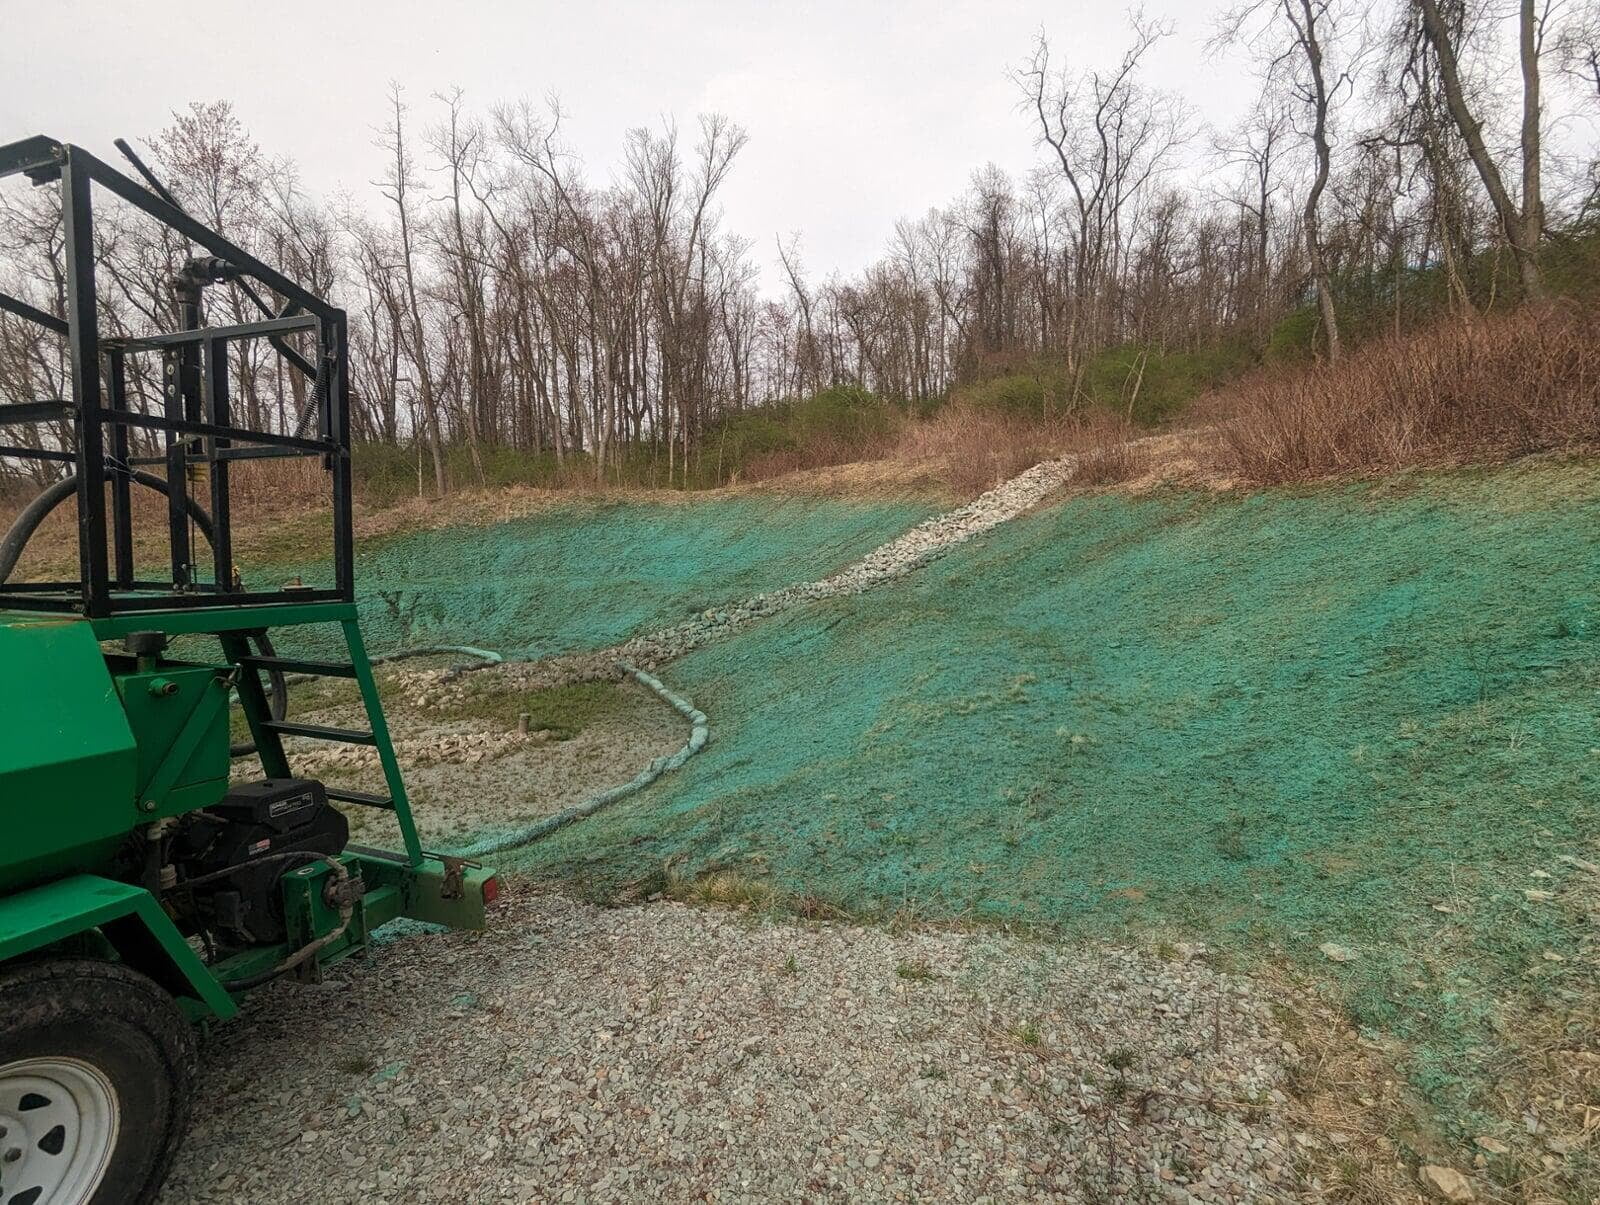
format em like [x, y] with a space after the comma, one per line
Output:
[229, 858]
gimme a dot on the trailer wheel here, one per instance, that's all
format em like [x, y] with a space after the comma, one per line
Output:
[97, 1067]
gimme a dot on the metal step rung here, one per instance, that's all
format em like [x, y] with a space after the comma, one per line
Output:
[316, 732]
[362, 797]
[291, 665]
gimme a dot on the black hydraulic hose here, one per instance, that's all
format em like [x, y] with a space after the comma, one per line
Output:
[28, 519]
[27, 522]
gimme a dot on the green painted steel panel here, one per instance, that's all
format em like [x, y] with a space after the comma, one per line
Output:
[222, 619]
[42, 916]
[67, 755]
[92, 750]
[179, 715]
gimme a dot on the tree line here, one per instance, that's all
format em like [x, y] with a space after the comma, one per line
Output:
[501, 298]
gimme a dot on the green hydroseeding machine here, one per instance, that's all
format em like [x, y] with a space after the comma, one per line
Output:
[148, 873]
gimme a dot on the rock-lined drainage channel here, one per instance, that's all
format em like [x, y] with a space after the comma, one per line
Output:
[925, 542]
[889, 562]
[699, 734]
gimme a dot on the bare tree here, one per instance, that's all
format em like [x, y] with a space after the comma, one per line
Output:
[459, 143]
[1111, 136]
[1523, 224]
[1297, 38]
[1258, 146]
[396, 186]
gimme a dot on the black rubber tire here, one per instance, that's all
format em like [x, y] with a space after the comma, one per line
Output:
[134, 1033]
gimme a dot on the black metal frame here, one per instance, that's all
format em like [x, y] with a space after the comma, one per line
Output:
[196, 411]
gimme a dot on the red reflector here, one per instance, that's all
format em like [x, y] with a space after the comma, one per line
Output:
[491, 890]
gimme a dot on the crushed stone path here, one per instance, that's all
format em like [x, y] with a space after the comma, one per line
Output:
[663, 1052]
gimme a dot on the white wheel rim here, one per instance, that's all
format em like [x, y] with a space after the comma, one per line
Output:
[59, 1119]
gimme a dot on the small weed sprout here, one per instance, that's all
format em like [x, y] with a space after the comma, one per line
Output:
[916, 971]
[1230, 839]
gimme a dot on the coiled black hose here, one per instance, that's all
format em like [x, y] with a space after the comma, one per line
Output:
[27, 522]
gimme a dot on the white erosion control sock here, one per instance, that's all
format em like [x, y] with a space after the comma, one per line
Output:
[699, 735]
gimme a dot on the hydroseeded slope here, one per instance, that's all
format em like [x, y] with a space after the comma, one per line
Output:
[1272, 722]
[586, 575]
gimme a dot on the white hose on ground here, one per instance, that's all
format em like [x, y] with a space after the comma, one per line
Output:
[699, 734]
[484, 656]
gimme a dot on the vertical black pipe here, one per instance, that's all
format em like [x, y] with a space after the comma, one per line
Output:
[177, 483]
[217, 408]
[182, 395]
[121, 502]
[335, 359]
[83, 344]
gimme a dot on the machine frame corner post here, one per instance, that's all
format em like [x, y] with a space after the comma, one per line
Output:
[83, 341]
[145, 846]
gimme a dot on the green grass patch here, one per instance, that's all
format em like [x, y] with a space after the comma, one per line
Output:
[562, 711]
[917, 971]
[1141, 382]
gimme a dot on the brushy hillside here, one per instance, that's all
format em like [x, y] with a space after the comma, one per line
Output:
[1453, 394]
[1362, 716]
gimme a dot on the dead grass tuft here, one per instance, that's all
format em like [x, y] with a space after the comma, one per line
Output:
[820, 451]
[1112, 463]
[1362, 1127]
[975, 449]
[1459, 392]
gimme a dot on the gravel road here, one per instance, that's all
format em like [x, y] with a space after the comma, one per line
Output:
[672, 1053]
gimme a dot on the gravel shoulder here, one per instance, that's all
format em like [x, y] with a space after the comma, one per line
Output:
[465, 776]
[663, 1051]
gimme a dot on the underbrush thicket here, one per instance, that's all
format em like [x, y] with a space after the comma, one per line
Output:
[976, 448]
[1140, 383]
[1419, 385]
[1458, 392]
[831, 427]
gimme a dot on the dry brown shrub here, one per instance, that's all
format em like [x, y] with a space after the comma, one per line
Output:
[819, 452]
[263, 486]
[1456, 393]
[1112, 463]
[977, 449]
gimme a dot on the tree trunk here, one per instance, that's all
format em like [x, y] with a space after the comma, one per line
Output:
[1522, 229]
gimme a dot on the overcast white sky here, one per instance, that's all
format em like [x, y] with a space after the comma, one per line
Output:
[858, 112]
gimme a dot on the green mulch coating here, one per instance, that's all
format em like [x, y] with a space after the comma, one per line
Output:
[586, 575]
[1269, 722]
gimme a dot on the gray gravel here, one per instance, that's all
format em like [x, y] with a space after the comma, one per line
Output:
[672, 1053]
[466, 776]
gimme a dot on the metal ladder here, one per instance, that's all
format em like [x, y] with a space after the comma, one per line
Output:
[269, 733]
